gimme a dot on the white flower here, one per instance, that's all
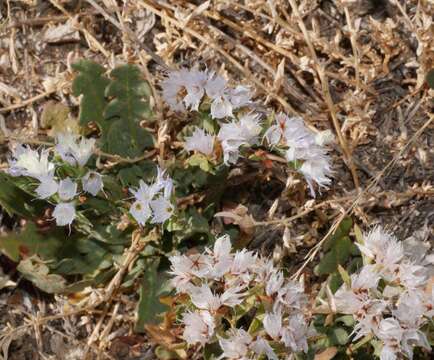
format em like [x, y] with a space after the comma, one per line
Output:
[74, 149]
[240, 96]
[174, 89]
[243, 262]
[145, 193]
[204, 299]
[162, 210]
[220, 259]
[200, 141]
[411, 276]
[273, 324]
[185, 268]
[410, 310]
[366, 279]
[64, 213]
[236, 346]
[382, 248]
[390, 332]
[199, 327]
[92, 182]
[140, 211]
[217, 91]
[28, 162]
[261, 346]
[250, 128]
[163, 182]
[47, 187]
[317, 170]
[67, 189]
[184, 88]
[195, 86]
[294, 335]
[274, 284]
[291, 296]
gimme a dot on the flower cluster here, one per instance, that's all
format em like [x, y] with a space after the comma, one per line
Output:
[220, 287]
[303, 144]
[185, 89]
[189, 89]
[388, 298]
[35, 164]
[152, 202]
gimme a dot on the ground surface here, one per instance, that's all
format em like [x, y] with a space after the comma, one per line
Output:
[355, 67]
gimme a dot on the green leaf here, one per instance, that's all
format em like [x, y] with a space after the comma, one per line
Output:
[127, 108]
[201, 161]
[339, 336]
[91, 83]
[338, 254]
[130, 176]
[212, 351]
[430, 78]
[34, 270]
[149, 306]
[15, 200]
[30, 241]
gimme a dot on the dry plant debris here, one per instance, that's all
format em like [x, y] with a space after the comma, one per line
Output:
[357, 68]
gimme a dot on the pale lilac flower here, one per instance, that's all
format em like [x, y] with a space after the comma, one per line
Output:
[145, 193]
[92, 182]
[236, 346]
[250, 128]
[162, 210]
[184, 89]
[67, 189]
[383, 248]
[411, 276]
[199, 327]
[317, 170]
[74, 149]
[220, 259]
[275, 133]
[28, 162]
[185, 268]
[200, 141]
[195, 86]
[261, 346]
[240, 96]
[64, 213]
[273, 325]
[47, 187]
[175, 90]
[294, 335]
[390, 332]
[274, 284]
[218, 92]
[203, 298]
[140, 211]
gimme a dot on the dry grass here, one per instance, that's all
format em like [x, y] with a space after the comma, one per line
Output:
[356, 67]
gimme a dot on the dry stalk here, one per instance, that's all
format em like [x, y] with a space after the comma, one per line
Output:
[353, 39]
[326, 92]
[314, 251]
[209, 42]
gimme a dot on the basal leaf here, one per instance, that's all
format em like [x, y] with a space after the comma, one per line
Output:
[149, 306]
[128, 106]
[338, 254]
[91, 83]
[15, 200]
[34, 270]
[430, 78]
